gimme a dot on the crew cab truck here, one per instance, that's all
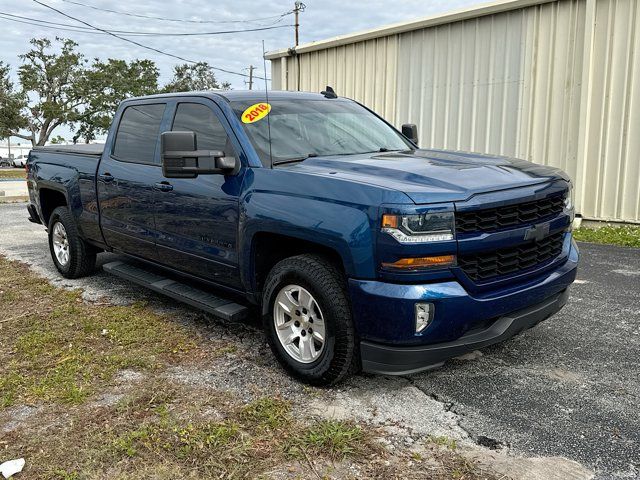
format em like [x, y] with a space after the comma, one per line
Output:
[360, 250]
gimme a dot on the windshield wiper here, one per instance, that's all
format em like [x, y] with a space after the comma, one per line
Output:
[380, 150]
[296, 159]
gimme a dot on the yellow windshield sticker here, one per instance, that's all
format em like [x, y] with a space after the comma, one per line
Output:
[256, 112]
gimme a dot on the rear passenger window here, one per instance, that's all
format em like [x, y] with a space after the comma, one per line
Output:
[198, 118]
[138, 133]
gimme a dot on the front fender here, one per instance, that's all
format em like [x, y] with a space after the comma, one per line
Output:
[344, 228]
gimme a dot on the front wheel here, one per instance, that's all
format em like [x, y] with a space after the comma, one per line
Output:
[307, 320]
[72, 256]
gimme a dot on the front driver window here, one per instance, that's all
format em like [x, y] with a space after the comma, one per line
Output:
[198, 118]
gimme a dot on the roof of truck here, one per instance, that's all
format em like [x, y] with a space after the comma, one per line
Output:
[240, 95]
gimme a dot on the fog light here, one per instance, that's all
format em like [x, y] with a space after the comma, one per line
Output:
[424, 315]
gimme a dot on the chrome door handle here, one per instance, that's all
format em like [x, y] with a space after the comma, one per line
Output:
[163, 186]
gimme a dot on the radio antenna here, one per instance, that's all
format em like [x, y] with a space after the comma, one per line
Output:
[266, 94]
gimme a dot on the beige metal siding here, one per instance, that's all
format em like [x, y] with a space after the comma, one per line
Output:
[276, 75]
[555, 82]
[461, 83]
[611, 152]
[364, 71]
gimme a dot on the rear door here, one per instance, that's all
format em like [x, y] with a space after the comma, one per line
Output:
[197, 218]
[126, 178]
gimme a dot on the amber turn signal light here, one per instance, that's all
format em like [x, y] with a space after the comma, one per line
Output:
[421, 262]
[390, 221]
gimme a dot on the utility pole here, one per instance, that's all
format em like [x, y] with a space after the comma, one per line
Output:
[298, 7]
[251, 68]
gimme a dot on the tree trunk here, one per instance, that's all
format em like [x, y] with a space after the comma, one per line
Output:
[31, 138]
[46, 131]
[43, 136]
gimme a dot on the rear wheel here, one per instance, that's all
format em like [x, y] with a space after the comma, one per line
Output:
[72, 256]
[307, 320]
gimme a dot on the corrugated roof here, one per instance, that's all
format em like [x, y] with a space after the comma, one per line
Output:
[395, 28]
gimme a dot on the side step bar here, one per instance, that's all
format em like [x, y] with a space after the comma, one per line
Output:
[200, 299]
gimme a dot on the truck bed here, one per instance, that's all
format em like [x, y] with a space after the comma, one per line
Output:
[70, 169]
[94, 149]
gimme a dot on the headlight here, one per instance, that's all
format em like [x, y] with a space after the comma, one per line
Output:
[428, 227]
[568, 199]
[570, 207]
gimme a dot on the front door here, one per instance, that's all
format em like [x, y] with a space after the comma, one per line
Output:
[126, 180]
[197, 218]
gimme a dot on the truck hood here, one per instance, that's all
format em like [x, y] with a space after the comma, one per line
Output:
[431, 176]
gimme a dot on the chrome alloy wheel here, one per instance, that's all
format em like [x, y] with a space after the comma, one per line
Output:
[60, 244]
[299, 323]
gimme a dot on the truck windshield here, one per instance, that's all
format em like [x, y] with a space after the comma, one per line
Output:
[307, 128]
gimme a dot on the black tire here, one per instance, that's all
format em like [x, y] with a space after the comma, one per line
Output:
[82, 256]
[327, 285]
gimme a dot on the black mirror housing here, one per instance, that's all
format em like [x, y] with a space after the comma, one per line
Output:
[182, 159]
[178, 142]
[410, 130]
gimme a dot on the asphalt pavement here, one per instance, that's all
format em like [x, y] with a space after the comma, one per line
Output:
[569, 387]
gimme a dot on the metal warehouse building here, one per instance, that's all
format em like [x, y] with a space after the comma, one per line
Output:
[553, 81]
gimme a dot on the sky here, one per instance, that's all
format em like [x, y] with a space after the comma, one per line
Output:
[321, 19]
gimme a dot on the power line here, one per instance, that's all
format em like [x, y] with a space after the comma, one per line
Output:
[139, 15]
[138, 33]
[50, 26]
[137, 43]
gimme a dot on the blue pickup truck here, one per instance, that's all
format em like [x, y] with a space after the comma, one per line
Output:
[360, 250]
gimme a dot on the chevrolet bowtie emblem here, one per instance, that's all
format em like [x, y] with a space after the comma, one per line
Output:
[537, 232]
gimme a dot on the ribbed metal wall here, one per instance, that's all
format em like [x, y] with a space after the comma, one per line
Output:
[610, 152]
[365, 71]
[556, 82]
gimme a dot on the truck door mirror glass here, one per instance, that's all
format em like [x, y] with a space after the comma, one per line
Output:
[410, 130]
[182, 159]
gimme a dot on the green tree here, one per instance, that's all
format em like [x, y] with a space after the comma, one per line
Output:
[51, 80]
[105, 85]
[58, 139]
[12, 104]
[194, 77]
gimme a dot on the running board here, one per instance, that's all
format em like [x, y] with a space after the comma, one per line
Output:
[199, 299]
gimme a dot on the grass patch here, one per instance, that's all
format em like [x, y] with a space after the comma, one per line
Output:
[159, 432]
[335, 439]
[17, 173]
[625, 235]
[56, 348]
[182, 441]
[447, 442]
[267, 412]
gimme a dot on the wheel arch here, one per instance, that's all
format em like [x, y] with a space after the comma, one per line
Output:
[269, 248]
[296, 225]
[50, 199]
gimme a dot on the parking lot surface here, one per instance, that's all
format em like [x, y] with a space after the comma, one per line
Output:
[568, 388]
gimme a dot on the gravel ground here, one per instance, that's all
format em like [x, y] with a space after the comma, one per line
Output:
[564, 394]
